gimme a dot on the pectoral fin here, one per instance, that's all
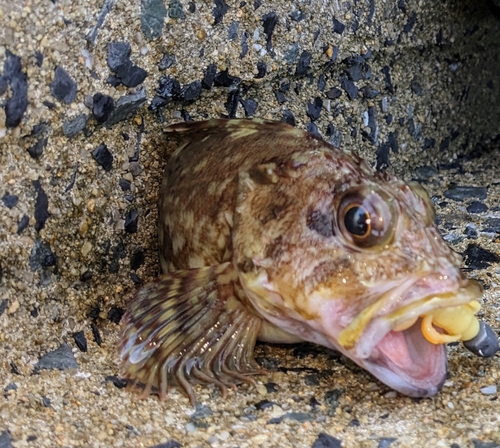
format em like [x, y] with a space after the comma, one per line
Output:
[189, 327]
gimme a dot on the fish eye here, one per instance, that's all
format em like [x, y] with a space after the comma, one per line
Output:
[366, 218]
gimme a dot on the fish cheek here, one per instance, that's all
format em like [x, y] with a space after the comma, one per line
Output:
[320, 222]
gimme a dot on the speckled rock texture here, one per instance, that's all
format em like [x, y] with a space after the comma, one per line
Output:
[86, 89]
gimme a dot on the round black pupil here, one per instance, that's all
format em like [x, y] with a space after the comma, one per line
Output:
[356, 221]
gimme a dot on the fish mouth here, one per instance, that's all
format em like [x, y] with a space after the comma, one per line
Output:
[400, 339]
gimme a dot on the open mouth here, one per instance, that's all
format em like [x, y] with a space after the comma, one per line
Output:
[404, 345]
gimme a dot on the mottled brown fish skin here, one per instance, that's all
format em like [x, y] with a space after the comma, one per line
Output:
[268, 232]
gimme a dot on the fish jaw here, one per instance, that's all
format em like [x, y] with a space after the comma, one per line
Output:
[403, 359]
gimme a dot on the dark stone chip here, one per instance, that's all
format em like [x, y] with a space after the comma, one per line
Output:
[124, 184]
[274, 421]
[321, 83]
[477, 207]
[3, 306]
[257, 4]
[470, 232]
[349, 87]
[131, 75]
[118, 54]
[46, 402]
[271, 387]
[444, 145]
[261, 70]
[153, 13]
[475, 257]
[39, 58]
[96, 334]
[192, 7]
[288, 117]
[131, 221]
[297, 15]
[416, 88]
[86, 276]
[224, 79]
[314, 108]
[313, 129]
[334, 93]
[137, 260]
[169, 444]
[220, 10]
[127, 105]
[6, 440]
[60, 359]
[338, 27]
[114, 80]
[16, 105]
[135, 278]
[167, 61]
[41, 206]
[102, 106]
[264, 404]
[410, 24]
[201, 412]
[209, 77]
[232, 103]
[72, 127]
[4, 83]
[63, 87]
[387, 78]
[356, 68]
[384, 442]
[10, 386]
[326, 441]
[169, 88]
[313, 402]
[36, 150]
[119, 383]
[80, 340]
[250, 106]
[459, 193]
[175, 10]
[311, 379]
[429, 143]
[115, 314]
[354, 422]
[482, 444]
[22, 224]
[303, 63]
[41, 256]
[244, 44]
[269, 22]
[298, 416]
[280, 97]
[369, 92]
[10, 200]
[232, 31]
[492, 225]
[191, 91]
[103, 157]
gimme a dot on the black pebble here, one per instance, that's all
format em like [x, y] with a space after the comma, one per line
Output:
[125, 70]
[410, 24]
[349, 87]
[297, 15]
[3, 304]
[492, 225]
[131, 75]
[250, 106]
[166, 61]
[175, 10]
[264, 404]
[416, 87]
[475, 257]
[303, 63]
[72, 127]
[102, 106]
[22, 224]
[387, 78]
[36, 150]
[232, 31]
[369, 93]
[60, 359]
[429, 143]
[326, 441]
[153, 13]
[192, 91]
[41, 206]
[124, 184]
[269, 22]
[137, 260]
[334, 93]
[118, 382]
[96, 334]
[46, 402]
[131, 221]
[16, 105]
[233, 100]
[311, 379]
[261, 70]
[288, 117]
[169, 88]
[10, 200]
[384, 442]
[314, 108]
[118, 54]
[338, 27]
[42, 256]
[115, 314]
[6, 439]
[271, 387]
[103, 157]
[208, 78]
[477, 207]
[280, 97]
[354, 422]
[219, 11]
[135, 278]
[314, 402]
[321, 82]
[169, 444]
[39, 58]
[313, 129]
[86, 276]
[224, 79]
[459, 193]
[63, 87]
[482, 444]
[80, 340]
[192, 7]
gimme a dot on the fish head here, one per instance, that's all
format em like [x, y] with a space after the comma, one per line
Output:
[333, 253]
